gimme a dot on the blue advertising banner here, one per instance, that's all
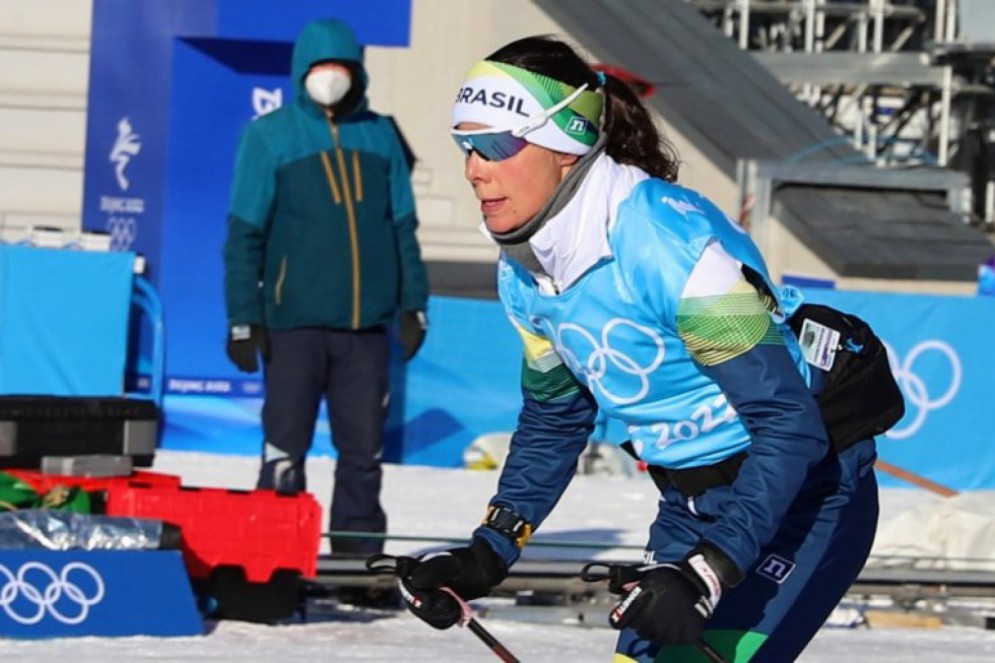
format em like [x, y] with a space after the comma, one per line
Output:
[95, 593]
[465, 383]
[191, 282]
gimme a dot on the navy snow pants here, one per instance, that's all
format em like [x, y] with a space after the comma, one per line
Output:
[350, 370]
[797, 580]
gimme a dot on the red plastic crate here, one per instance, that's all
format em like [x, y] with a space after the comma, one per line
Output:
[42, 483]
[260, 531]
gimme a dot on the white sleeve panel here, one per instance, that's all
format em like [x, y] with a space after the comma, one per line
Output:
[716, 273]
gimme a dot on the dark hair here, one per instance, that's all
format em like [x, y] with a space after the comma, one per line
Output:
[632, 136]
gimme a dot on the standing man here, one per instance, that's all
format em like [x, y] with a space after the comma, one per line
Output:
[320, 258]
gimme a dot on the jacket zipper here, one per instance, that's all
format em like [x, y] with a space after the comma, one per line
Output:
[330, 174]
[280, 278]
[351, 215]
[358, 175]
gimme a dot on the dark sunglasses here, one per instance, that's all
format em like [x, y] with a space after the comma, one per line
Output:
[500, 145]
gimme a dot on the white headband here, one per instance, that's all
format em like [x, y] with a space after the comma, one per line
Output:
[505, 97]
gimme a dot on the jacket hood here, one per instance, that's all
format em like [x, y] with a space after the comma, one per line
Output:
[325, 40]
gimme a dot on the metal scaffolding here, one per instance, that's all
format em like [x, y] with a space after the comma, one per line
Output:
[907, 82]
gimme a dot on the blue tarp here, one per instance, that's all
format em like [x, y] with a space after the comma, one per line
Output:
[63, 321]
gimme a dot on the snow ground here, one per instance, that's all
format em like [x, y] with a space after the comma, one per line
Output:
[404, 638]
[448, 503]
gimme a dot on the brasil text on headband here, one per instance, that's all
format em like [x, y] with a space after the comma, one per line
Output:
[517, 102]
[497, 145]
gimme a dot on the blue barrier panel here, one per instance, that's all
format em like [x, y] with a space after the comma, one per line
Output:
[63, 321]
[49, 593]
[465, 383]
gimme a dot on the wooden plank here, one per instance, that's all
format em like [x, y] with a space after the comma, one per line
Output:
[891, 619]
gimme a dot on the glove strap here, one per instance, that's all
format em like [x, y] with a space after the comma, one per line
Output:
[721, 564]
[466, 612]
[709, 578]
[509, 523]
[241, 332]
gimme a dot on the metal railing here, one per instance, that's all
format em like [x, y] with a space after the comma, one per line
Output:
[906, 84]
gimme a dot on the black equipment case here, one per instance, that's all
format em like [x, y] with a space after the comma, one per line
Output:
[32, 427]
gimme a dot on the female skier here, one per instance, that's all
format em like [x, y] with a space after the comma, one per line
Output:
[640, 298]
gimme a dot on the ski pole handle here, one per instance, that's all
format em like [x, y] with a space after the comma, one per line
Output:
[398, 566]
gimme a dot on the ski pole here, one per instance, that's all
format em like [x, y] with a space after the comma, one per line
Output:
[388, 564]
[485, 636]
[710, 652]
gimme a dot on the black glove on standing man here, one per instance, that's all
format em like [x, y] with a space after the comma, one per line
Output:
[672, 602]
[244, 343]
[414, 325]
[470, 572]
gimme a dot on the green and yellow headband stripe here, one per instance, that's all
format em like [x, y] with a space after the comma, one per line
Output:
[504, 97]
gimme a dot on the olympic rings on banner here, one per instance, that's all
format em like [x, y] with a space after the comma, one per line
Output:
[920, 399]
[54, 595]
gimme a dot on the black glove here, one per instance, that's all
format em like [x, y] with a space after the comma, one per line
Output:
[244, 343]
[469, 572]
[672, 602]
[414, 324]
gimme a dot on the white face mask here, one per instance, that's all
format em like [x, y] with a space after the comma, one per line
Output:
[327, 86]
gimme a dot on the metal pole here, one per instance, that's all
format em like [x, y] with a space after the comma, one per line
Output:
[877, 8]
[744, 24]
[950, 29]
[760, 221]
[872, 133]
[989, 202]
[820, 27]
[862, 32]
[809, 26]
[808, 90]
[858, 125]
[945, 94]
[939, 33]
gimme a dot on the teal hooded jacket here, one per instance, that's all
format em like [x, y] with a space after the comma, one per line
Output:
[321, 225]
